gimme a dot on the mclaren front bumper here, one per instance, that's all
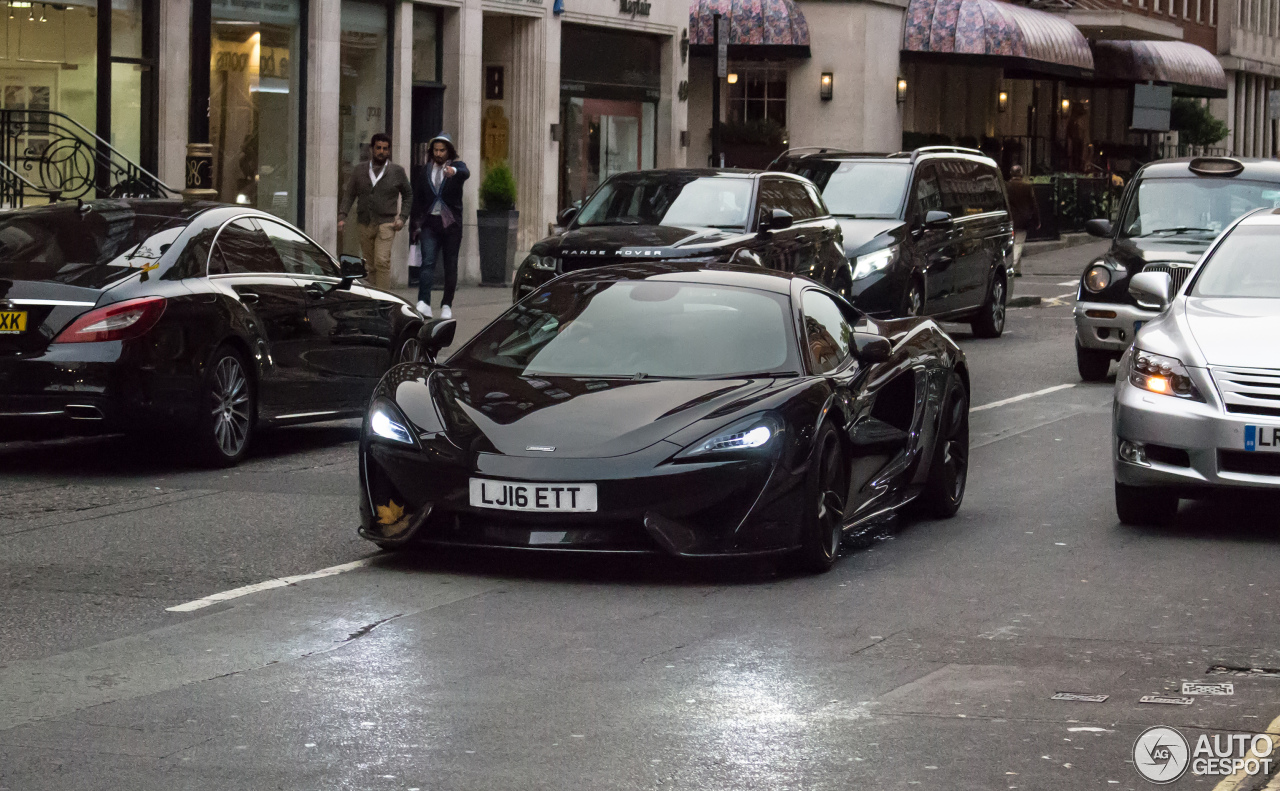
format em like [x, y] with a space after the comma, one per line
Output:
[1191, 447]
[1109, 326]
[645, 503]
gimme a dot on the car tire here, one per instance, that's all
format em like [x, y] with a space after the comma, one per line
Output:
[410, 349]
[989, 321]
[1093, 364]
[912, 299]
[1145, 506]
[228, 409]
[949, 471]
[826, 486]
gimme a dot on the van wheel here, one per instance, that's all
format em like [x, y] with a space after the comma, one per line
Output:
[1093, 364]
[989, 322]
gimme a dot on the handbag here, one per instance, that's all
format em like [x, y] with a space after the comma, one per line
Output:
[415, 256]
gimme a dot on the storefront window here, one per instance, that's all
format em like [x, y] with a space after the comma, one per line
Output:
[50, 62]
[757, 94]
[608, 106]
[127, 79]
[253, 104]
[426, 44]
[427, 118]
[362, 92]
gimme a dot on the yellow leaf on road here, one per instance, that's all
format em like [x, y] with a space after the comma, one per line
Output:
[390, 513]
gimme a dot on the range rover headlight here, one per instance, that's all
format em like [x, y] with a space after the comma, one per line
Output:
[546, 263]
[874, 262]
[1157, 373]
[757, 433]
[1097, 277]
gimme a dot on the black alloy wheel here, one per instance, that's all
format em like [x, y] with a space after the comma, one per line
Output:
[410, 350]
[1093, 364]
[989, 322]
[825, 486]
[1145, 506]
[913, 300]
[949, 471]
[228, 407]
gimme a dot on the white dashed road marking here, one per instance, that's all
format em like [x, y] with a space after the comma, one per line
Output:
[279, 582]
[1023, 397]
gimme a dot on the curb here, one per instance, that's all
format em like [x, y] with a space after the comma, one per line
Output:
[1068, 240]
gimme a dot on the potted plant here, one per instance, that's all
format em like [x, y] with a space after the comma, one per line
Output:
[496, 224]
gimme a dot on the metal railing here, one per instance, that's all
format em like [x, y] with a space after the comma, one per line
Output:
[47, 156]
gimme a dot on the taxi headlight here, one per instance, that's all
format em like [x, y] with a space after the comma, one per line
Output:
[1097, 277]
[1157, 373]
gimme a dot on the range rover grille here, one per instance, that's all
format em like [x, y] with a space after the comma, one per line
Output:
[1249, 391]
[1177, 272]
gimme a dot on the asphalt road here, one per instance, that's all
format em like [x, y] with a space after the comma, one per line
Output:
[927, 658]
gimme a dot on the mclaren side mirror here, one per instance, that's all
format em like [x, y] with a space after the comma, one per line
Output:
[352, 268]
[435, 335]
[937, 219]
[1151, 290]
[1099, 228]
[872, 348]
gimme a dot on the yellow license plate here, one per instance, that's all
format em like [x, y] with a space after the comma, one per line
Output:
[13, 322]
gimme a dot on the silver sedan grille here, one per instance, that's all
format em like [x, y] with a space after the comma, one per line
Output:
[1177, 272]
[1249, 391]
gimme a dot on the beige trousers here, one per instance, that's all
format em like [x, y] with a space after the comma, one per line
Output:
[375, 246]
[1019, 240]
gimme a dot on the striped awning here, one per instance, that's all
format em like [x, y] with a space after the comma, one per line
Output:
[756, 28]
[989, 31]
[1191, 70]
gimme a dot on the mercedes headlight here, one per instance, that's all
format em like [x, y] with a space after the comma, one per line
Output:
[1097, 277]
[757, 433]
[546, 263]
[874, 262]
[1156, 373]
[386, 422]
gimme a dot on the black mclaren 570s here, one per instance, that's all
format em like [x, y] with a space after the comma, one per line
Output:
[668, 408]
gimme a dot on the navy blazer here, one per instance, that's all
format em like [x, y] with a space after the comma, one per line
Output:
[424, 193]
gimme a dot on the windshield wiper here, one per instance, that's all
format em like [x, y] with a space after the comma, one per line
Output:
[1179, 230]
[758, 375]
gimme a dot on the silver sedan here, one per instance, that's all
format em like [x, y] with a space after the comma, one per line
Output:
[1197, 397]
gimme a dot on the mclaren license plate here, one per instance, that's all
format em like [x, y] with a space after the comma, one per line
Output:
[541, 497]
[1264, 438]
[13, 322]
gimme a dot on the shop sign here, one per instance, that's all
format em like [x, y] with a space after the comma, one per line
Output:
[634, 7]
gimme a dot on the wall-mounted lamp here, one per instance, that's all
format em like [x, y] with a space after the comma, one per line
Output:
[732, 78]
[1066, 106]
[902, 89]
[826, 86]
[1002, 101]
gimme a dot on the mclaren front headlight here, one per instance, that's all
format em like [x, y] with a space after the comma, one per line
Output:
[874, 262]
[1157, 373]
[546, 263]
[757, 434]
[387, 423]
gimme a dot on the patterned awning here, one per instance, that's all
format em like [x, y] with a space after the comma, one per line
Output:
[1191, 70]
[756, 28]
[1001, 33]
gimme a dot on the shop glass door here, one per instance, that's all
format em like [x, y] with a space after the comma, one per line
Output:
[362, 96]
[604, 137]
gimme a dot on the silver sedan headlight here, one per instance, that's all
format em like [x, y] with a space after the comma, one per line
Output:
[1157, 373]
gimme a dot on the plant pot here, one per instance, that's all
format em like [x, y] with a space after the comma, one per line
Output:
[496, 232]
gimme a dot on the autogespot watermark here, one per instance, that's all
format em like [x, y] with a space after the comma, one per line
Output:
[1162, 754]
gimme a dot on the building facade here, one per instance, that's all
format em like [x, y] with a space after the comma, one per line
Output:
[1248, 45]
[566, 92]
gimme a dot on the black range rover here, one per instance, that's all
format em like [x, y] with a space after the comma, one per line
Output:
[927, 232]
[775, 220]
[1171, 212]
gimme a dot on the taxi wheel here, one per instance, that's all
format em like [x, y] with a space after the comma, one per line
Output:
[1093, 364]
[1145, 506]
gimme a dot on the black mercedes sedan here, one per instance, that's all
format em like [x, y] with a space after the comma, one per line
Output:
[711, 410]
[774, 220]
[195, 322]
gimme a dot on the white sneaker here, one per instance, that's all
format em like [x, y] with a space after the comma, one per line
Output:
[424, 309]
[445, 312]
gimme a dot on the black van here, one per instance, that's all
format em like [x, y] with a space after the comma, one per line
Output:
[927, 232]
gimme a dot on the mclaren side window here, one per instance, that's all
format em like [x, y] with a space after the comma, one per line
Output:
[827, 330]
